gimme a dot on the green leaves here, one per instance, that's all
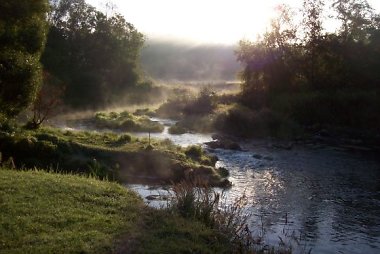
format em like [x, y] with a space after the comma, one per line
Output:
[22, 38]
[95, 55]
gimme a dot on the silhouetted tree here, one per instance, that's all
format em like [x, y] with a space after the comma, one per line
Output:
[95, 55]
[312, 22]
[270, 63]
[22, 38]
[326, 78]
[49, 99]
[356, 16]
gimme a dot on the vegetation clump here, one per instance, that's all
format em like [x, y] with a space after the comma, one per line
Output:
[194, 112]
[125, 121]
[144, 112]
[106, 155]
[178, 129]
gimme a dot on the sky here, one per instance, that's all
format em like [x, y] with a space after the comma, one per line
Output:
[201, 21]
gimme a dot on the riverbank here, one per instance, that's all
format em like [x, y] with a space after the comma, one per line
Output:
[300, 117]
[54, 213]
[123, 158]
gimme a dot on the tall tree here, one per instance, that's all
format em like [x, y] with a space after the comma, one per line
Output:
[270, 62]
[358, 22]
[22, 38]
[312, 22]
[95, 55]
[356, 16]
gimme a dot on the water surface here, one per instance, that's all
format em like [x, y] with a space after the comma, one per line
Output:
[329, 198]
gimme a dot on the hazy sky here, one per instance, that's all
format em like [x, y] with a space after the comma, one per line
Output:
[212, 21]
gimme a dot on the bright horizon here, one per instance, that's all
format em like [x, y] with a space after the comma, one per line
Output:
[201, 21]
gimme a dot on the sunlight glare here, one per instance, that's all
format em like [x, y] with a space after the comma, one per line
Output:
[201, 21]
[215, 21]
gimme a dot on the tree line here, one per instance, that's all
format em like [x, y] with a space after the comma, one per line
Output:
[323, 76]
[94, 56]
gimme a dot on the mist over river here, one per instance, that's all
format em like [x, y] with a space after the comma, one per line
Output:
[328, 197]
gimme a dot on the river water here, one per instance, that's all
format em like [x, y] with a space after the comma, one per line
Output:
[330, 199]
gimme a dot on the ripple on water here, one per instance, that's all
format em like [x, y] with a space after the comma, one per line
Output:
[329, 198]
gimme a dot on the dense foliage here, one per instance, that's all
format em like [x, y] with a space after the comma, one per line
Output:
[95, 55]
[314, 76]
[22, 39]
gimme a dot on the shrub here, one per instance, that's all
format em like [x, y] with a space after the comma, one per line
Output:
[242, 121]
[7, 124]
[124, 138]
[144, 112]
[125, 114]
[128, 124]
[194, 152]
[177, 129]
[223, 172]
[203, 104]
[125, 121]
[342, 108]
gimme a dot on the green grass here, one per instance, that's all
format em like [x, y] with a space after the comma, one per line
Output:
[165, 232]
[106, 155]
[52, 213]
[44, 212]
[125, 121]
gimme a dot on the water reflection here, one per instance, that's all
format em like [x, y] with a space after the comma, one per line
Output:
[327, 197]
[330, 197]
[184, 140]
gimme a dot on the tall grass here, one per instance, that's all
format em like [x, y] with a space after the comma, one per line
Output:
[195, 200]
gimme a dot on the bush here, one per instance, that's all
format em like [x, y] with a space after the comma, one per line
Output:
[223, 172]
[194, 152]
[124, 138]
[242, 121]
[177, 129]
[344, 108]
[129, 125]
[203, 104]
[126, 121]
[144, 112]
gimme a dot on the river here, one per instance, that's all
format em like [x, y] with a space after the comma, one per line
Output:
[328, 197]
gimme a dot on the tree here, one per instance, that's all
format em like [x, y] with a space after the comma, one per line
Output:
[95, 55]
[356, 17]
[312, 11]
[48, 100]
[358, 24]
[270, 63]
[22, 38]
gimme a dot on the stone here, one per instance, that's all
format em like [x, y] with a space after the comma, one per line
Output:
[257, 156]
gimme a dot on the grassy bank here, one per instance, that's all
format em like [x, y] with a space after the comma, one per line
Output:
[125, 121]
[54, 213]
[106, 155]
